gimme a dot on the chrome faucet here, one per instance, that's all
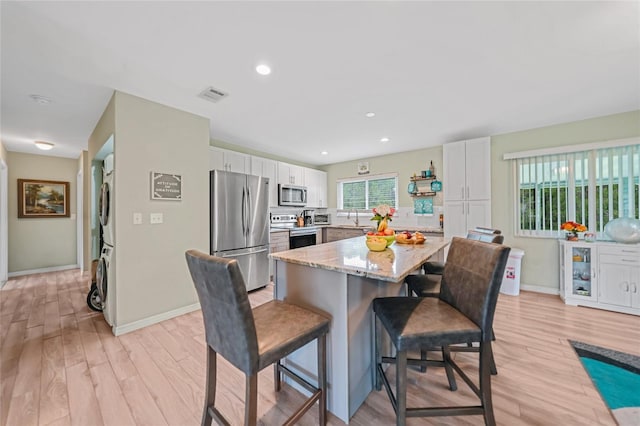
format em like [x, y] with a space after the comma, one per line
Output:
[357, 221]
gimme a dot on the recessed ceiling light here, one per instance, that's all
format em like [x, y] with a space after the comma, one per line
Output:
[370, 114]
[324, 153]
[42, 100]
[384, 140]
[45, 146]
[263, 69]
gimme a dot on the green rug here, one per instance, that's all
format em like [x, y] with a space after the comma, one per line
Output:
[616, 376]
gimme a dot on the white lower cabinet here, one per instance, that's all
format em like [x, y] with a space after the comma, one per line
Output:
[461, 216]
[278, 241]
[601, 275]
[620, 268]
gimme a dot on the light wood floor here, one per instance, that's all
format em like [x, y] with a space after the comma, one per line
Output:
[62, 366]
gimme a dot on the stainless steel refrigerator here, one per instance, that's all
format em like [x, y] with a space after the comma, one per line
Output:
[239, 209]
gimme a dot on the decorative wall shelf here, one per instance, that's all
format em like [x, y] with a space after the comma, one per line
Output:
[422, 186]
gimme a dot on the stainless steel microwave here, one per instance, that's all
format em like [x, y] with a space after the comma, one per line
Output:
[291, 195]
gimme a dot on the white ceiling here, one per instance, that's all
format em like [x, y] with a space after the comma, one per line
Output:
[432, 71]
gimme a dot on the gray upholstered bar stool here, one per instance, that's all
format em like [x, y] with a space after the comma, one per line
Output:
[463, 312]
[253, 339]
[428, 284]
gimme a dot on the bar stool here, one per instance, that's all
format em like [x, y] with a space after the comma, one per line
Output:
[463, 312]
[428, 284]
[253, 339]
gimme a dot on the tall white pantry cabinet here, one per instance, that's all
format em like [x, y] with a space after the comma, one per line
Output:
[467, 185]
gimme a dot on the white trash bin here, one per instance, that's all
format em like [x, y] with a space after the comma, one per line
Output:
[511, 278]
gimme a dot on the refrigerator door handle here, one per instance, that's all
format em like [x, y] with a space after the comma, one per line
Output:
[248, 209]
[243, 212]
[246, 253]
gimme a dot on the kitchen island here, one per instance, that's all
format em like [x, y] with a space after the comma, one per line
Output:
[342, 278]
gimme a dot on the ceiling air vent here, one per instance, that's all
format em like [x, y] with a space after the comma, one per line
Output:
[212, 94]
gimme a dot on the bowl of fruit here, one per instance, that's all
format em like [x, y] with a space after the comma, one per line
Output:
[407, 237]
[376, 243]
[388, 235]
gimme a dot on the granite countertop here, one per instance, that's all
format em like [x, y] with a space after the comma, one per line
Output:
[352, 257]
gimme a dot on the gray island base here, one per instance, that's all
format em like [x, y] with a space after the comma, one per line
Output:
[342, 278]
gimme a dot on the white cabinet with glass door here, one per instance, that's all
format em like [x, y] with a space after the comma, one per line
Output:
[579, 280]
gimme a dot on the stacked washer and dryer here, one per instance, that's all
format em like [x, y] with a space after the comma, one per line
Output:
[105, 273]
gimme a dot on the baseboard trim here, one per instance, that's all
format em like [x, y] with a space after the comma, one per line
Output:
[42, 270]
[135, 325]
[540, 289]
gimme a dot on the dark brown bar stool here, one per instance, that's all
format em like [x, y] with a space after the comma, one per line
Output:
[253, 339]
[463, 312]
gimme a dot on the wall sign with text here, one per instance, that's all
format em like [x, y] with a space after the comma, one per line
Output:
[166, 186]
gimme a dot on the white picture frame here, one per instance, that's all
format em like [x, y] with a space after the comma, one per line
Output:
[363, 168]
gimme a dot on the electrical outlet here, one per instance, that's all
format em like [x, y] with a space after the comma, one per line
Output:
[137, 218]
[155, 218]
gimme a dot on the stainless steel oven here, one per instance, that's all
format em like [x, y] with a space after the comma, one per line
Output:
[299, 236]
[302, 237]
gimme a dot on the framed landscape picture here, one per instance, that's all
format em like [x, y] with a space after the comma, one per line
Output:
[42, 198]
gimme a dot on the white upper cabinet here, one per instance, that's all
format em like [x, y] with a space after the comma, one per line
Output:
[231, 161]
[269, 169]
[467, 170]
[316, 183]
[467, 186]
[290, 174]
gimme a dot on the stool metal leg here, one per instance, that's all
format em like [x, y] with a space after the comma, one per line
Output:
[210, 390]
[251, 400]
[485, 383]
[446, 358]
[401, 388]
[277, 377]
[378, 357]
[322, 379]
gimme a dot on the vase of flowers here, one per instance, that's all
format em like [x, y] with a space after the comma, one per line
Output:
[382, 214]
[572, 229]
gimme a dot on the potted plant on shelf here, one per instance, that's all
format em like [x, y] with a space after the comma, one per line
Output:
[572, 229]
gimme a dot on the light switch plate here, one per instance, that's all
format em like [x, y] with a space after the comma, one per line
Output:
[155, 218]
[137, 218]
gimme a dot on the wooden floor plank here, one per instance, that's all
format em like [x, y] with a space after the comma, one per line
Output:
[25, 398]
[54, 402]
[83, 402]
[71, 343]
[115, 410]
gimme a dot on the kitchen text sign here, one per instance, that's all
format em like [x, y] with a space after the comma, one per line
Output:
[166, 186]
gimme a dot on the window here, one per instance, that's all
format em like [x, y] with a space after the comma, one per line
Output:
[590, 187]
[366, 193]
